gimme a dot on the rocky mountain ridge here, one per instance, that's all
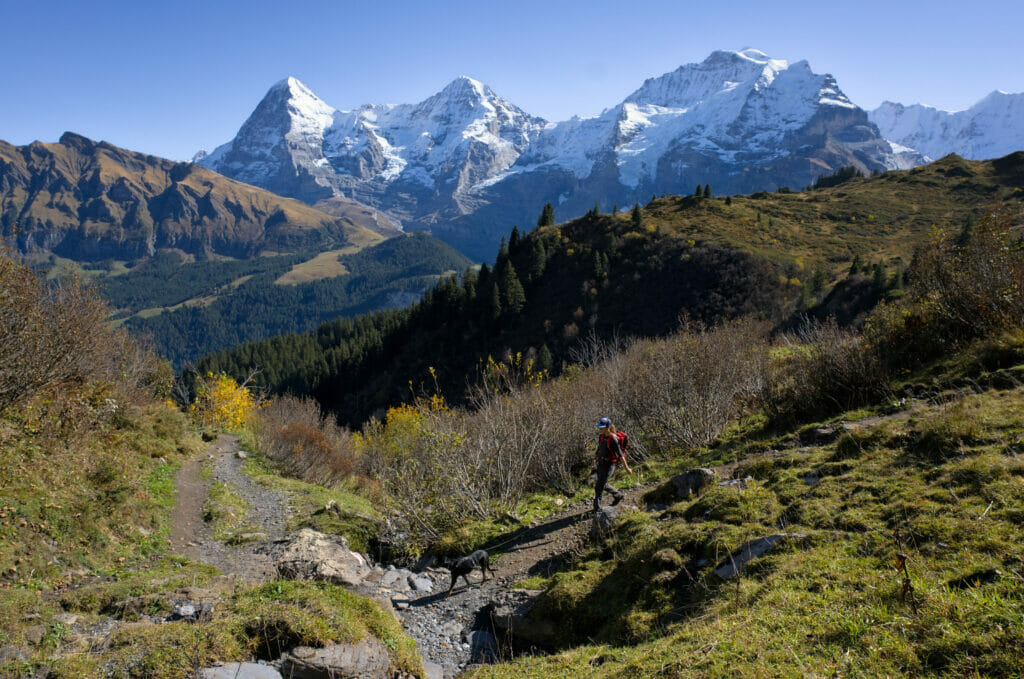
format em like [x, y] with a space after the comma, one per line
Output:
[91, 200]
[991, 128]
[466, 164]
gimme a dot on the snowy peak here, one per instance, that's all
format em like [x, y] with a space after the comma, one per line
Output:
[991, 128]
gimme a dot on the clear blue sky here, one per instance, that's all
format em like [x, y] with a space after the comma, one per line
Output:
[170, 78]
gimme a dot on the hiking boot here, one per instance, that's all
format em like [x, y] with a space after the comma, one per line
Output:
[618, 499]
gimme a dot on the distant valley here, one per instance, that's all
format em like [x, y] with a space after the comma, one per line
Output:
[198, 261]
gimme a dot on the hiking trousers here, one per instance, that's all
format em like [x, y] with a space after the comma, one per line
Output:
[605, 469]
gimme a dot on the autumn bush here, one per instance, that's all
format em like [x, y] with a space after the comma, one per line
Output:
[296, 435]
[221, 402]
[60, 360]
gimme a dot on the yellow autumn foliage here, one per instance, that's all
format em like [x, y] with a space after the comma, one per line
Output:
[222, 402]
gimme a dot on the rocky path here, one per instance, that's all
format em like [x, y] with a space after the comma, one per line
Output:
[452, 632]
[267, 511]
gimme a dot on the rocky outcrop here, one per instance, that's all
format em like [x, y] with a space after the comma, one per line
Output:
[512, 619]
[311, 555]
[367, 659]
[602, 521]
[692, 482]
[243, 670]
[734, 563]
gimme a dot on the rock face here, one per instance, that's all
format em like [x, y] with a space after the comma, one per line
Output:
[693, 481]
[87, 200]
[245, 670]
[512, 619]
[466, 163]
[311, 555]
[367, 659]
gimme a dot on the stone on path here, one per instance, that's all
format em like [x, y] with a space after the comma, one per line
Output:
[245, 670]
[311, 555]
[739, 484]
[735, 562]
[431, 670]
[602, 521]
[367, 659]
[421, 583]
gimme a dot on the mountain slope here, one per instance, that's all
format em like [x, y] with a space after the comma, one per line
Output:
[992, 128]
[86, 200]
[709, 259]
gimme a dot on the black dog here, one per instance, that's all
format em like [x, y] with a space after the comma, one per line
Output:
[464, 565]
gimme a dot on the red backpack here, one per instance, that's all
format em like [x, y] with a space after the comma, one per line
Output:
[623, 446]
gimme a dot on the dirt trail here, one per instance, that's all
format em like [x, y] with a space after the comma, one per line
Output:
[192, 536]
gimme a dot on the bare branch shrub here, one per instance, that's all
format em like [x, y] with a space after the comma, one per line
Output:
[682, 391]
[51, 333]
[825, 369]
[294, 433]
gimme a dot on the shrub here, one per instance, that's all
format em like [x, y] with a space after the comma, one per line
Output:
[222, 402]
[825, 369]
[684, 390]
[51, 334]
[294, 433]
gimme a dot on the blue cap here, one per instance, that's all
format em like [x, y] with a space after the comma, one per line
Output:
[604, 422]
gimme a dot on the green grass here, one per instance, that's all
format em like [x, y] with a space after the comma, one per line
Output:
[259, 621]
[226, 511]
[941, 483]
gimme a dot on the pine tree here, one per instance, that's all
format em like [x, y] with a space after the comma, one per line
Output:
[638, 216]
[547, 215]
[819, 280]
[514, 239]
[597, 209]
[855, 266]
[513, 297]
[728, 200]
[699, 191]
[495, 305]
[545, 362]
[879, 278]
[707, 190]
[615, 208]
[538, 260]
[600, 273]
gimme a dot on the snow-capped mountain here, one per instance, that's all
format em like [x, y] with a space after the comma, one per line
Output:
[418, 161]
[992, 128]
[467, 164]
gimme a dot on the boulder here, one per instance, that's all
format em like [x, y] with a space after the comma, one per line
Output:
[9, 654]
[602, 521]
[693, 481]
[431, 670]
[421, 583]
[311, 555]
[244, 670]
[735, 562]
[367, 659]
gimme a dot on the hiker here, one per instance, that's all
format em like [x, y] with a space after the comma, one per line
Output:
[610, 454]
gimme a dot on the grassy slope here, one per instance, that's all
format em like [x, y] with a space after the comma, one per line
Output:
[941, 482]
[879, 218]
[84, 530]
